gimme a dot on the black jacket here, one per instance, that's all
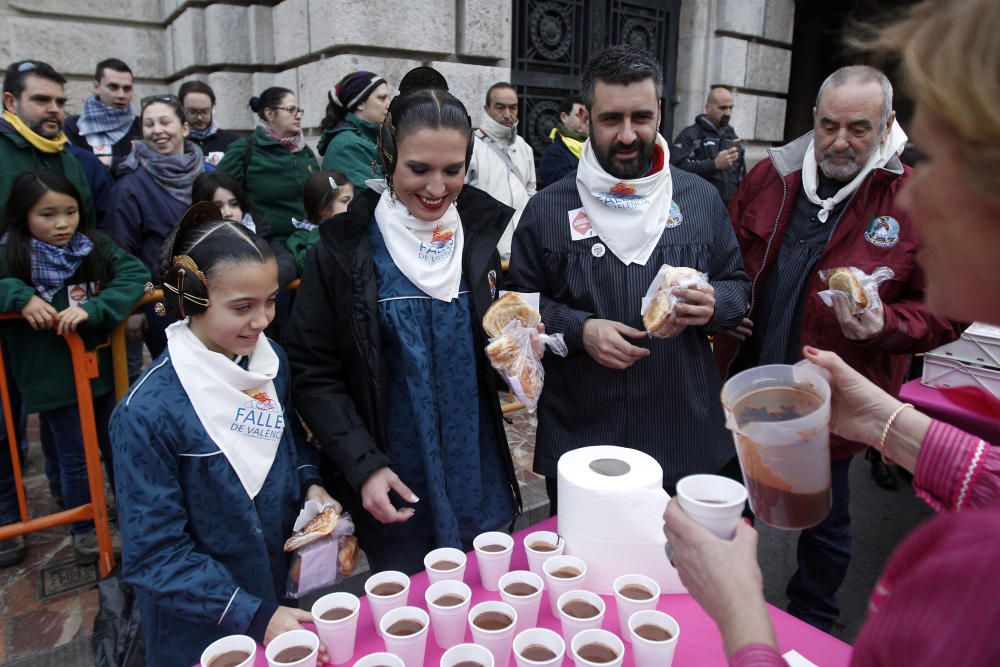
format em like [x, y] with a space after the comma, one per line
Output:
[556, 161]
[217, 143]
[335, 348]
[119, 151]
[695, 149]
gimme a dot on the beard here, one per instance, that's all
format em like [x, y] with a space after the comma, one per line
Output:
[41, 131]
[842, 166]
[625, 169]
[724, 121]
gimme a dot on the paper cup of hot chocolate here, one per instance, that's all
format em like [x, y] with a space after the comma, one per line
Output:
[539, 647]
[522, 590]
[540, 546]
[380, 660]
[448, 605]
[633, 592]
[445, 563]
[465, 654]
[713, 501]
[227, 652]
[386, 591]
[654, 638]
[562, 574]
[404, 632]
[493, 625]
[295, 648]
[493, 552]
[578, 611]
[597, 648]
[336, 619]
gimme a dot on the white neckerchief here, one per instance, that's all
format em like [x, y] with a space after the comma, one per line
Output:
[497, 131]
[428, 253]
[629, 216]
[894, 143]
[238, 408]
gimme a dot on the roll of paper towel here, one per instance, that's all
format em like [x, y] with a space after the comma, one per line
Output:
[611, 503]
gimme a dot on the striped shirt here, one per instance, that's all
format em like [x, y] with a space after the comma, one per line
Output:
[667, 404]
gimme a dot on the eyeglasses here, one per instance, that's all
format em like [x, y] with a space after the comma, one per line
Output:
[295, 111]
[198, 113]
[149, 99]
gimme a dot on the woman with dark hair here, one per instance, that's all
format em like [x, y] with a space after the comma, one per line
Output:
[387, 345]
[209, 475]
[151, 195]
[327, 193]
[357, 107]
[226, 192]
[62, 277]
[273, 163]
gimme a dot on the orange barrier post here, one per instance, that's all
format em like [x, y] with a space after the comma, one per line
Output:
[85, 367]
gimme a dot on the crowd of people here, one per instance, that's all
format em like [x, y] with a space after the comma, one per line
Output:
[369, 385]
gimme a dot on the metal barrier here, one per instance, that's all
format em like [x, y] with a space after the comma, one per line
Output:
[85, 367]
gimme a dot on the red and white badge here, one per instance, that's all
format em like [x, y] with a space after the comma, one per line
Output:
[76, 294]
[579, 225]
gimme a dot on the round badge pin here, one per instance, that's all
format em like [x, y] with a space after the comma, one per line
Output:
[598, 250]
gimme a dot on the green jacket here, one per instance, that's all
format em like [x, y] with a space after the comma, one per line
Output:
[273, 179]
[299, 244]
[350, 149]
[18, 156]
[40, 360]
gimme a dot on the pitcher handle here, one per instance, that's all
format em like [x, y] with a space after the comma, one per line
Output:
[825, 374]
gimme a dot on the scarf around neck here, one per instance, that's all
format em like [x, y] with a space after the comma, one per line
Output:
[572, 140]
[102, 125]
[173, 173]
[628, 215]
[428, 253]
[496, 131]
[894, 143]
[238, 407]
[294, 143]
[201, 135]
[52, 266]
[32, 137]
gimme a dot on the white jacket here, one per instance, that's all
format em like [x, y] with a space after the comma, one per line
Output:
[489, 173]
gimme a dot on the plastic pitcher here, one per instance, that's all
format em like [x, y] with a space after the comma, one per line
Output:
[780, 419]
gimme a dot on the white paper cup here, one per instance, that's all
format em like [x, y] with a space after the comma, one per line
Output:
[289, 639]
[380, 660]
[543, 637]
[230, 643]
[526, 606]
[609, 639]
[467, 652]
[649, 653]
[558, 585]
[713, 501]
[493, 564]
[572, 625]
[627, 606]
[411, 647]
[497, 641]
[382, 604]
[449, 554]
[536, 558]
[339, 635]
[448, 622]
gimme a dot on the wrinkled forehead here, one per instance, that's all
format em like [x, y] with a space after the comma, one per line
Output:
[851, 102]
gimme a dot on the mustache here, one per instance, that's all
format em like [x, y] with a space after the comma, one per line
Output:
[846, 153]
[619, 147]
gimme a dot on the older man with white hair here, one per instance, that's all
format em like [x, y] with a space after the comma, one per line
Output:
[824, 201]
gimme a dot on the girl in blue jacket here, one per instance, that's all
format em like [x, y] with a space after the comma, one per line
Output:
[210, 478]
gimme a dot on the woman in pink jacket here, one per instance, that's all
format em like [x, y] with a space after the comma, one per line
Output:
[937, 600]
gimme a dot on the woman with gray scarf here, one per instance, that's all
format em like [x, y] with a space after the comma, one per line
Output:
[152, 194]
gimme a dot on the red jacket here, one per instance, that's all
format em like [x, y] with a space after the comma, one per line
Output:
[761, 211]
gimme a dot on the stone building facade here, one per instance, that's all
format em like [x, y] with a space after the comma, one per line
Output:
[242, 47]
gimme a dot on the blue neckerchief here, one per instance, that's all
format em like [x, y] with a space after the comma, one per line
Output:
[52, 266]
[103, 125]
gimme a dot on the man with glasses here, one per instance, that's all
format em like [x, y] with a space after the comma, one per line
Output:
[108, 123]
[198, 100]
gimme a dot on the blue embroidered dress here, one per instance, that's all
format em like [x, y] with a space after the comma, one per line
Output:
[440, 440]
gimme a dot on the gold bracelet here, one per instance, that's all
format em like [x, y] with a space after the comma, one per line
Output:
[888, 425]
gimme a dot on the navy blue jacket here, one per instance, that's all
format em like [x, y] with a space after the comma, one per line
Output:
[695, 148]
[99, 178]
[556, 161]
[203, 557]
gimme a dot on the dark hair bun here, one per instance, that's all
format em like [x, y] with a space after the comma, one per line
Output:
[255, 104]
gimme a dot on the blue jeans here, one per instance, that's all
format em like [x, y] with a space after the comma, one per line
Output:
[824, 552]
[63, 425]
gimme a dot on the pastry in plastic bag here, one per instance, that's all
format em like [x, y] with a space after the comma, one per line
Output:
[658, 308]
[509, 307]
[860, 288]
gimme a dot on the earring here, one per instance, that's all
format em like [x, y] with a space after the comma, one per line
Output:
[149, 289]
[160, 309]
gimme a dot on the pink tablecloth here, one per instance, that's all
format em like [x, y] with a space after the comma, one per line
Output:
[934, 403]
[699, 644]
